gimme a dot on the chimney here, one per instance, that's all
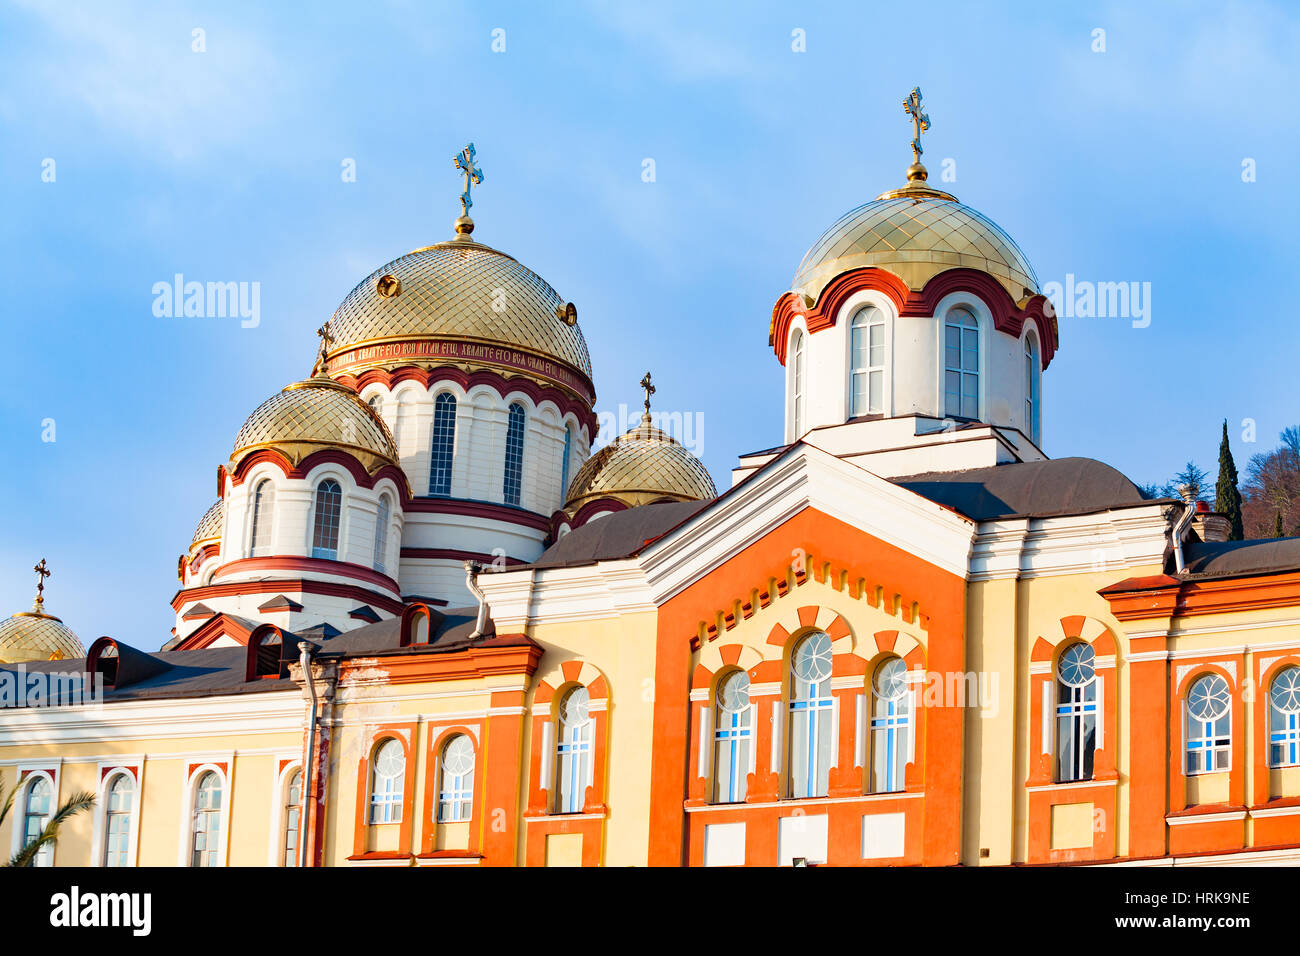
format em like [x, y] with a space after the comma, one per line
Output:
[1210, 525]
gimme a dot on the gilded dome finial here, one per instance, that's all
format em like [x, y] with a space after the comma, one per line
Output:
[326, 340]
[465, 162]
[649, 390]
[920, 124]
[42, 572]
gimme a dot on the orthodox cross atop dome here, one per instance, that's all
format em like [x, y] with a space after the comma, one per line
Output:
[326, 340]
[466, 162]
[649, 390]
[916, 187]
[920, 121]
[42, 572]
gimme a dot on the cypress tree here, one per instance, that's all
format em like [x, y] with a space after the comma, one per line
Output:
[1227, 498]
[1277, 527]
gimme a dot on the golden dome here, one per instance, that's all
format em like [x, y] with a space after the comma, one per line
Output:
[643, 465]
[916, 233]
[451, 302]
[318, 413]
[36, 636]
[209, 527]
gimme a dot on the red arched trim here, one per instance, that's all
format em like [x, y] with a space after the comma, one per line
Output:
[413, 611]
[293, 562]
[255, 639]
[595, 507]
[334, 456]
[503, 386]
[1007, 315]
[96, 651]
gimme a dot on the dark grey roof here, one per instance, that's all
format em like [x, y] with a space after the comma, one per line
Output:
[1061, 486]
[1230, 558]
[616, 535]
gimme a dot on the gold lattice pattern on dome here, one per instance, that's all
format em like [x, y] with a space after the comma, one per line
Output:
[640, 466]
[917, 239]
[461, 289]
[209, 526]
[28, 637]
[316, 412]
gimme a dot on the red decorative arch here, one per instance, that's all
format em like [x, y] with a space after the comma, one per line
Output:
[334, 456]
[1008, 316]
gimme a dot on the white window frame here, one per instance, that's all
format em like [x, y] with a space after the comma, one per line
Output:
[1033, 407]
[440, 789]
[735, 730]
[191, 784]
[577, 740]
[279, 796]
[896, 720]
[50, 771]
[133, 768]
[848, 311]
[252, 515]
[819, 708]
[1289, 735]
[1189, 721]
[383, 530]
[984, 321]
[797, 372]
[399, 803]
[347, 489]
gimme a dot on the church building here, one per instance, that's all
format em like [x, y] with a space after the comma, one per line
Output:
[424, 623]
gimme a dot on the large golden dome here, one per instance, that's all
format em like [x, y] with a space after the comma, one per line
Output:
[915, 233]
[460, 301]
[318, 413]
[643, 465]
[36, 636]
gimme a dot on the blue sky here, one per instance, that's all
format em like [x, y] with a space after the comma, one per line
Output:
[1123, 165]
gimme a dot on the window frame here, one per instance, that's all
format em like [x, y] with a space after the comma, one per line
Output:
[19, 825]
[1288, 735]
[579, 748]
[512, 479]
[197, 772]
[383, 518]
[1033, 387]
[1209, 740]
[1083, 705]
[979, 328]
[881, 321]
[317, 551]
[895, 725]
[458, 795]
[735, 732]
[798, 383]
[393, 802]
[820, 707]
[442, 443]
[255, 506]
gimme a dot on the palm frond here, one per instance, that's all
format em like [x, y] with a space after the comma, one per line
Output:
[79, 801]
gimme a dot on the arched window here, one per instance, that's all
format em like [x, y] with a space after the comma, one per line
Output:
[381, 532]
[325, 528]
[1284, 718]
[514, 455]
[375, 403]
[292, 816]
[444, 444]
[573, 764]
[796, 384]
[206, 826]
[564, 465]
[811, 746]
[867, 362]
[36, 815]
[733, 738]
[1076, 713]
[891, 713]
[1033, 389]
[456, 780]
[263, 516]
[117, 820]
[387, 781]
[961, 364]
[1209, 725]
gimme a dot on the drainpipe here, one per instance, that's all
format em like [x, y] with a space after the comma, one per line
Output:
[472, 569]
[1180, 526]
[305, 649]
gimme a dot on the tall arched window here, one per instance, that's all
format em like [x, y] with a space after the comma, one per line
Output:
[811, 744]
[1284, 718]
[292, 816]
[205, 828]
[1076, 713]
[867, 362]
[117, 820]
[444, 444]
[961, 376]
[263, 515]
[514, 455]
[564, 465]
[1209, 725]
[382, 518]
[1033, 389]
[733, 738]
[36, 815]
[387, 782]
[573, 764]
[891, 714]
[456, 780]
[796, 383]
[325, 528]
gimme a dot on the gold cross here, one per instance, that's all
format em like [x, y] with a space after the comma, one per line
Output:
[649, 390]
[473, 176]
[43, 573]
[920, 120]
[326, 340]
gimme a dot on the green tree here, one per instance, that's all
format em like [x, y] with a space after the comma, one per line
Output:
[1227, 498]
[26, 856]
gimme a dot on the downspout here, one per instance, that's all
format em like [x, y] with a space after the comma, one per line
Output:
[305, 649]
[1180, 526]
[472, 569]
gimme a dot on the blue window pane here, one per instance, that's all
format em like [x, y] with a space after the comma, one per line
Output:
[514, 455]
[444, 444]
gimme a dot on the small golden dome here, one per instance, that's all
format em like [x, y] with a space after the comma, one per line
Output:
[643, 465]
[318, 413]
[209, 527]
[461, 291]
[36, 636]
[915, 232]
